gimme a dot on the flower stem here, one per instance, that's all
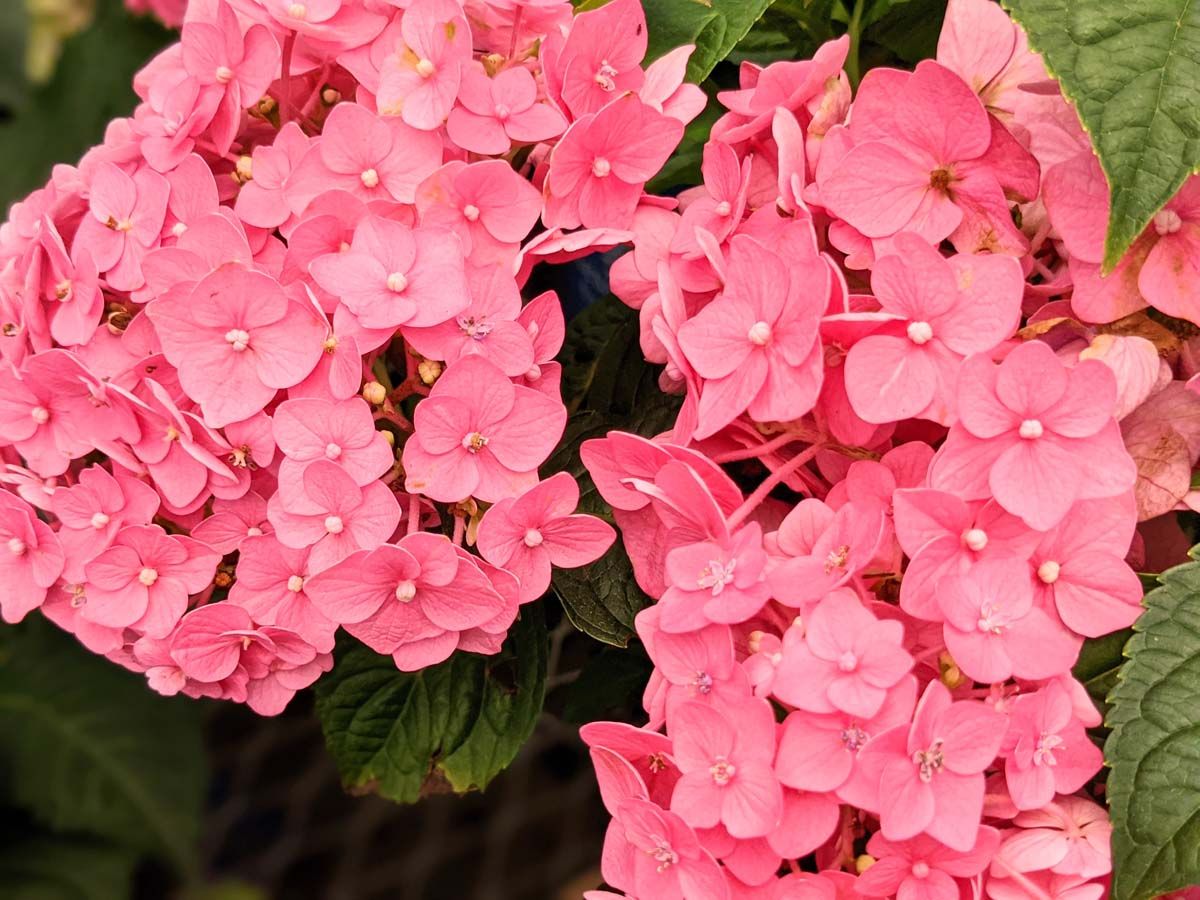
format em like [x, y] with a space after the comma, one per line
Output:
[769, 484]
[781, 440]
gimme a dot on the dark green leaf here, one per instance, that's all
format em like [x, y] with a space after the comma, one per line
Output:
[457, 724]
[714, 26]
[58, 121]
[1133, 71]
[86, 746]
[63, 867]
[596, 341]
[609, 687]
[905, 30]
[683, 168]
[1100, 660]
[1154, 748]
[602, 599]
[14, 24]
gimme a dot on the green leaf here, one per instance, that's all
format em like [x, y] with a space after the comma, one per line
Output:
[609, 686]
[453, 726]
[1099, 661]
[714, 26]
[86, 746]
[58, 121]
[1154, 748]
[602, 599]
[63, 867]
[683, 168]
[1132, 69]
[14, 25]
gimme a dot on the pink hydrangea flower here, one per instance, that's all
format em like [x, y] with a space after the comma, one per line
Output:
[421, 79]
[666, 859]
[1028, 432]
[718, 581]
[143, 580]
[1071, 836]
[494, 113]
[271, 585]
[124, 222]
[539, 528]
[262, 201]
[921, 868]
[601, 57]
[600, 165]
[928, 776]
[93, 510]
[31, 558]
[726, 759]
[848, 661]
[236, 339]
[342, 432]
[1047, 750]
[233, 522]
[479, 434]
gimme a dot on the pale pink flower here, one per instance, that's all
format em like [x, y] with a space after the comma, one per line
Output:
[236, 339]
[342, 432]
[493, 113]
[94, 509]
[421, 79]
[233, 522]
[31, 558]
[726, 759]
[848, 661]
[1034, 434]
[271, 585]
[143, 580]
[332, 515]
[715, 581]
[125, 218]
[539, 528]
[488, 205]
[479, 434]
[1070, 836]
[1047, 750]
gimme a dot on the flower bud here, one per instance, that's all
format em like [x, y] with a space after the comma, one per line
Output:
[430, 370]
[374, 393]
[863, 862]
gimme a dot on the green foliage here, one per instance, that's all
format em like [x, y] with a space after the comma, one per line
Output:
[86, 747]
[453, 726]
[609, 686]
[714, 26]
[1099, 661]
[1154, 748]
[36, 866]
[608, 387]
[1133, 72]
[58, 121]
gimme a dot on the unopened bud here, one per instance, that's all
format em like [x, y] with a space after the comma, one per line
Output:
[863, 862]
[222, 580]
[950, 674]
[331, 96]
[430, 370]
[264, 107]
[389, 437]
[244, 170]
[374, 393]
[492, 63]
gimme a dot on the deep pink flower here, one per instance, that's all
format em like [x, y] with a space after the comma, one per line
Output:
[667, 860]
[715, 581]
[493, 113]
[94, 509]
[236, 338]
[419, 590]
[332, 515]
[928, 777]
[598, 168]
[539, 528]
[31, 558]
[935, 312]
[848, 661]
[1034, 434]
[649, 752]
[756, 346]
[726, 759]
[601, 58]
[271, 585]
[74, 286]
[395, 275]
[479, 434]
[143, 580]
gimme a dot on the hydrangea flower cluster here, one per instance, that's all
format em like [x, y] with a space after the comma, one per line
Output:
[889, 302]
[265, 367]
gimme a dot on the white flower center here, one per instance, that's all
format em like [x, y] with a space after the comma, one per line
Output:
[470, 212]
[606, 76]
[397, 282]
[40, 414]
[99, 520]
[759, 334]
[847, 662]
[533, 538]
[722, 771]
[1031, 429]
[601, 167]
[723, 208]
[16, 546]
[405, 591]
[425, 67]
[334, 524]
[254, 531]
[975, 538]
[238, 339]
[474, 442]
[1167, 221]
[148, 576]
[920, 869]
[1049, 571]
[297, 11]
[178, 229]
[370, 178]
[501, 112]
[920, 332]
[1043, 755]
[716, 575]
[295, 583]
[332, 451]
[224, 74]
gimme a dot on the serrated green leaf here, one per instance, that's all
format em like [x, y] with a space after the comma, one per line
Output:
[58, 121]
[86, 746]
[1154, 748]
[1133, 71]
[602, 599]
[457, 724]
[36, 866]
[714, 26]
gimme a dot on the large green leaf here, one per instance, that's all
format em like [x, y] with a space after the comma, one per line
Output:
[86, 746]
[1132, 69]
[1154, 748]
[452, 726]
[58, 121]
[714, 26]
[1099, 662]
[62, 867]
